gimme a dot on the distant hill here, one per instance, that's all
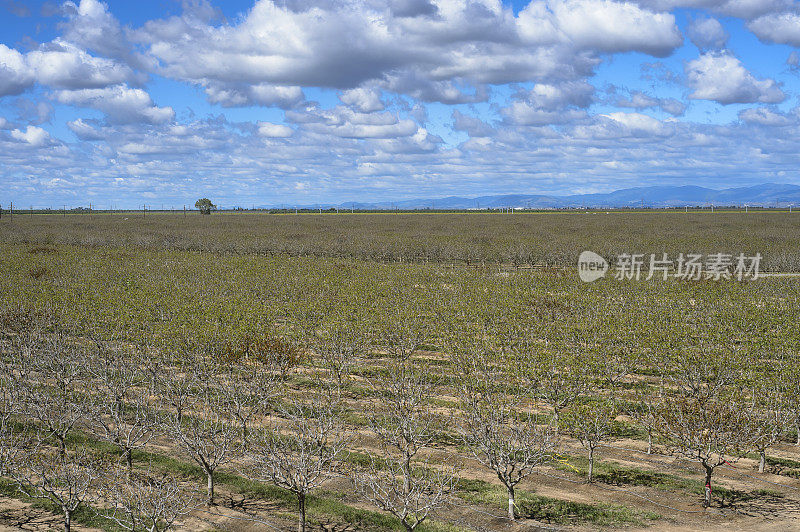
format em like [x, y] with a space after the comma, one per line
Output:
[763, 195]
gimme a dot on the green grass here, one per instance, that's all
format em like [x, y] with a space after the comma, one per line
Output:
[554, 511]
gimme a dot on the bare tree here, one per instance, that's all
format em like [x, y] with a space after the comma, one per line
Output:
[591, 423]
[411, 495]
[709, 430]
[767, 414]
[203, 428]
[300, 451]
[68, 479]
[122, 415]
[50, 379]
[504, 436]
[143, 501]
[558, 379]
[403, 425]
[337, 346]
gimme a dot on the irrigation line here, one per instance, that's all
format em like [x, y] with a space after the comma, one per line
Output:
[728, 466]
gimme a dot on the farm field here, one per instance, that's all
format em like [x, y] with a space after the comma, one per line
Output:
[395, 372]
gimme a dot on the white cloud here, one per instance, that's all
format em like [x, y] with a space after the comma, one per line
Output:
[442, 50]
[474, 127]
[721, 77]
[764, 116]
[268, 129]
[637, 124]
[15, 75]
[263, 94]
[640, 100]
[364, 100]
[60, 64]
[616, 26]
[35, 136]
[120, 103]
[782, 28]
[707, 34]
[525, 114]
[84, 131]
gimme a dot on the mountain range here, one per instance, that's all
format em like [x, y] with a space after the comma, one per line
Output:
[763, 195]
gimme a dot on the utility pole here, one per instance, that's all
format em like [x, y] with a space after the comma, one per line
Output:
[184, 211]
[11, 212]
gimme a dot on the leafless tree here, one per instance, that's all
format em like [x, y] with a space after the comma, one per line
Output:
[144, 501]
[122, 415]
[51, 381]
[711, 431]
[558, 379]
[337, 346]
[504, 436]
[68, 479]
[202, 425]
[591, 423]
[299, 451]
[411, 495]
[767, 414]
[403, 425]
[248, 391]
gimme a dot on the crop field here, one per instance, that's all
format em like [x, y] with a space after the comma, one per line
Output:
[432, 372]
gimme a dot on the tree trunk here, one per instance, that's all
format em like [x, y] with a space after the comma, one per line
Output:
[649, 442]
[591, 463]
[762, 460]
[511, 503]
[407, 474]
[67, 521]
[210, 477]
[707, 500]
[301, 503]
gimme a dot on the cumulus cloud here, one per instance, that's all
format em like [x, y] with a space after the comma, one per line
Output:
[15, 75]
[764, 116]
[640, 100]
[616, 26]
[270, 130]
[362, 99]
[259, 94]
[35, 136]
[745, 9]
[707, 33]
[120, 103]
[637, 124]
[59, 64]
[474, 127]
[782, 28]
[84, 130]
[90, 25]
[721, 77]
[432, 51]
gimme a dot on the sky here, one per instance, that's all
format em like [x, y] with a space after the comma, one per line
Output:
[284, 102]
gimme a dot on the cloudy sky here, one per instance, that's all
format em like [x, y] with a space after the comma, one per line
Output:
[303, 101]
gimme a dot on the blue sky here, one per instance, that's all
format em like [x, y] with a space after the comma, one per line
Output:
[306, 101]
